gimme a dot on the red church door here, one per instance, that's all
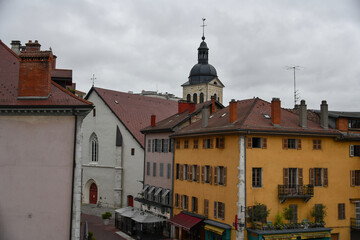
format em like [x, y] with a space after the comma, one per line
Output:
[93, 193]
[130, 201]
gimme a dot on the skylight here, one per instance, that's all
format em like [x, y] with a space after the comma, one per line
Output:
[223, 115]
[211, 116]
[116, 102]
[267, 116]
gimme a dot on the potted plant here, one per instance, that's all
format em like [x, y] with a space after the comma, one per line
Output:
[106, 217]
[279, 221]
[259, 215]
[288, 214]
[319, 213]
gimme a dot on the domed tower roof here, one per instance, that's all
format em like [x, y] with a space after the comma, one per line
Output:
[202, 72]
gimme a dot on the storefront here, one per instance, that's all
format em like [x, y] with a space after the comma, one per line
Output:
[187, 226]
[290, 234]
[216, 230]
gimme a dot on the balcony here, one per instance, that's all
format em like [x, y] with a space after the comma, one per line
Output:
[355, 224]
[295, 191]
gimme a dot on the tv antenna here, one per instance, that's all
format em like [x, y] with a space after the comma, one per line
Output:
[296, 93]
[93, 79]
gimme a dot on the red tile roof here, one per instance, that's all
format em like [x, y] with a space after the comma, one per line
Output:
[178, 118]
[9, 77]
[185, 221]
[135, 111]
[251, 117]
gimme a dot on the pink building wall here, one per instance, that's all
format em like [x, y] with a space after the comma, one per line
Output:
[164, 158]
[36, 176]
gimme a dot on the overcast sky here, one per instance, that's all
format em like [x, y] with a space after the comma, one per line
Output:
[134, 45]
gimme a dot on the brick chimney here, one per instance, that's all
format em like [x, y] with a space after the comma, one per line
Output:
[233, 114]
[32, 46]
[15, 46]
[212, 105]
[204, 117]
[184, 105]
[35, 73]
[324, 115]
[153, 120]
[303, 114]
[276, 111]
[342, 124]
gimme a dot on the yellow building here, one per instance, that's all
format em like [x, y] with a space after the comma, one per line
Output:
[254, 154]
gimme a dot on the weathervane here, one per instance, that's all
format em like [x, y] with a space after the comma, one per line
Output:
[203, 26]
[93, 79]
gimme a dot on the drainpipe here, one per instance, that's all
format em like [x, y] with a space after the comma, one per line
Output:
[73, 178]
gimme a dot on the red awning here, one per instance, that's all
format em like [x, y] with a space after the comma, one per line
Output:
[184, 221]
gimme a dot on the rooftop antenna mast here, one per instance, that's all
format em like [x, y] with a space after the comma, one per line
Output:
[296, 94]
[93, 79]
[203, 26]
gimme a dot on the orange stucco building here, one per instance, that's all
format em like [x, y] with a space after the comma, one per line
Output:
[254, 154]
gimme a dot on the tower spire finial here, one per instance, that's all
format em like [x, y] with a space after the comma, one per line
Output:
[203, 26]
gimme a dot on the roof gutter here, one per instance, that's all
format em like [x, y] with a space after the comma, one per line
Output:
[232, 131]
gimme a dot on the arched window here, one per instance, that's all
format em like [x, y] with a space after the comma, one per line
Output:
[201, 97]
[188, 98]
[94, 148]
[195, 98]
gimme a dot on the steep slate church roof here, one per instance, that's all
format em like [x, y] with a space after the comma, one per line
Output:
[202, 72]
[134, 111]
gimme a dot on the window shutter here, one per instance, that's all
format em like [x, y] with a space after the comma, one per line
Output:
[211, 143]
[352, 179]
[210, 175]
[186, 202]
[223, 211]
[326, 182]
[153, 145]
[300, 176]
[217, 142]
[311, 176]
[225, 172]
[286, 176]
[204, 142]
[299, 144]
[285, 143]
[352, 150]
[202, 174]
[181, 172]
[176, 200]
[249, 142]
[197, 173]
[206, 207]
[215, 209]
[216, 175]
[264, 143]
[190, 173]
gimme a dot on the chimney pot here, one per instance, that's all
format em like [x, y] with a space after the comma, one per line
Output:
[324, 115]
[303, 114]
[276, 111]
[153, 120]
[233, 114]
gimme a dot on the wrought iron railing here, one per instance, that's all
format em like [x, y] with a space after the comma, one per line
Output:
[355, 223]
[295, 191]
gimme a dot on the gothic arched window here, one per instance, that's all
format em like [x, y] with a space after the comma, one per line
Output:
[195, 98]
[188, 98]
[94, 148]
[201, 97]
